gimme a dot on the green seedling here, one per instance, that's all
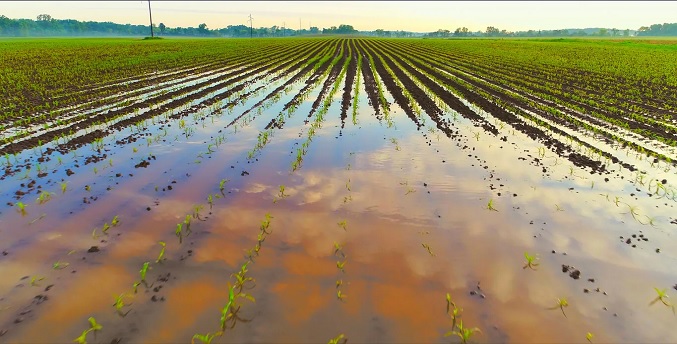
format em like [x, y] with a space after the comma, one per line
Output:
[63, 187]
[342, 224]
[410, 190]
[338, 248]
[463, 333]
[119, 304]
[663, 298]
[210, 200]
[348, 198]
[196, 211]
[339, 283]
[558, 208]
[282, 195]
[348, 185]
[340, 295]
[162, 251]
[561, 303]
[589, 336]
[265, 224]
[179, 232]
[205, 338]
[59, 265]
[453, 311]
[35, 280]
[135, 286]
[93, 326]
[187, 223]
[633, 211]
[88, 188]
[531, 261]
[231, 308]
[105, 228]
[44, 197]
[241, 277]
[341, 338]
[490, 205]
[143, 271]
[340, 265]
[22, 207]
[115, 221]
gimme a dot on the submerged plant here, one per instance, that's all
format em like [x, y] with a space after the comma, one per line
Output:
[115, 221]
[342, 224]
[531, 261]
[36, 279]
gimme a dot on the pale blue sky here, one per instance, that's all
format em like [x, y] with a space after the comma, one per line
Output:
[363, 15]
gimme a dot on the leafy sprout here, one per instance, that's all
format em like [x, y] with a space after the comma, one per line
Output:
[490, 205]
[22, 207]
[119, 304]
[205, 338]
[162, 251]
[143, 271]
[341, 338]
[561, 303]
[36, 279]
[60, 265]
[531, 262]
[463, 332]
[342, 224]
[340, 265]
[663, 298]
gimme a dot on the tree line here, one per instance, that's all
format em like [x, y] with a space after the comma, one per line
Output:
[491, 31]
[45, 25]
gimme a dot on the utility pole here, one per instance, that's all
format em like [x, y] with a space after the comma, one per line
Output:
[151, 20]
[250, 26]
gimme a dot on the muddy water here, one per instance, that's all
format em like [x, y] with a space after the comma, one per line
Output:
[417, 227]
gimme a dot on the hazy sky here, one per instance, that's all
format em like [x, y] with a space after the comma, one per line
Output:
[417, 16]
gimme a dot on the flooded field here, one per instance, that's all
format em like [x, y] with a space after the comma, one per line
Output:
[310, 190]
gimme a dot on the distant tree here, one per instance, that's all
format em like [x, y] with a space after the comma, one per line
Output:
[163, 28]
[626, 32]
[380, 32]
[602, 32]
[44, 17]
[202, 29]
[461, 32]
[492, 31]
[614, 32]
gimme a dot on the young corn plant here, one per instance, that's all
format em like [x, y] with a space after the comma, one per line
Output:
[340, 339]
[663, 298]
[531, 262]
[119, 304]
[22, 207]
[144, 271]
[162, 251]
[342, 224]
[453, 311]
[490, 205]
[340, 265]
[205, 338]
[561, 303]
[93, 327]
[463, 332]
[179, 232]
